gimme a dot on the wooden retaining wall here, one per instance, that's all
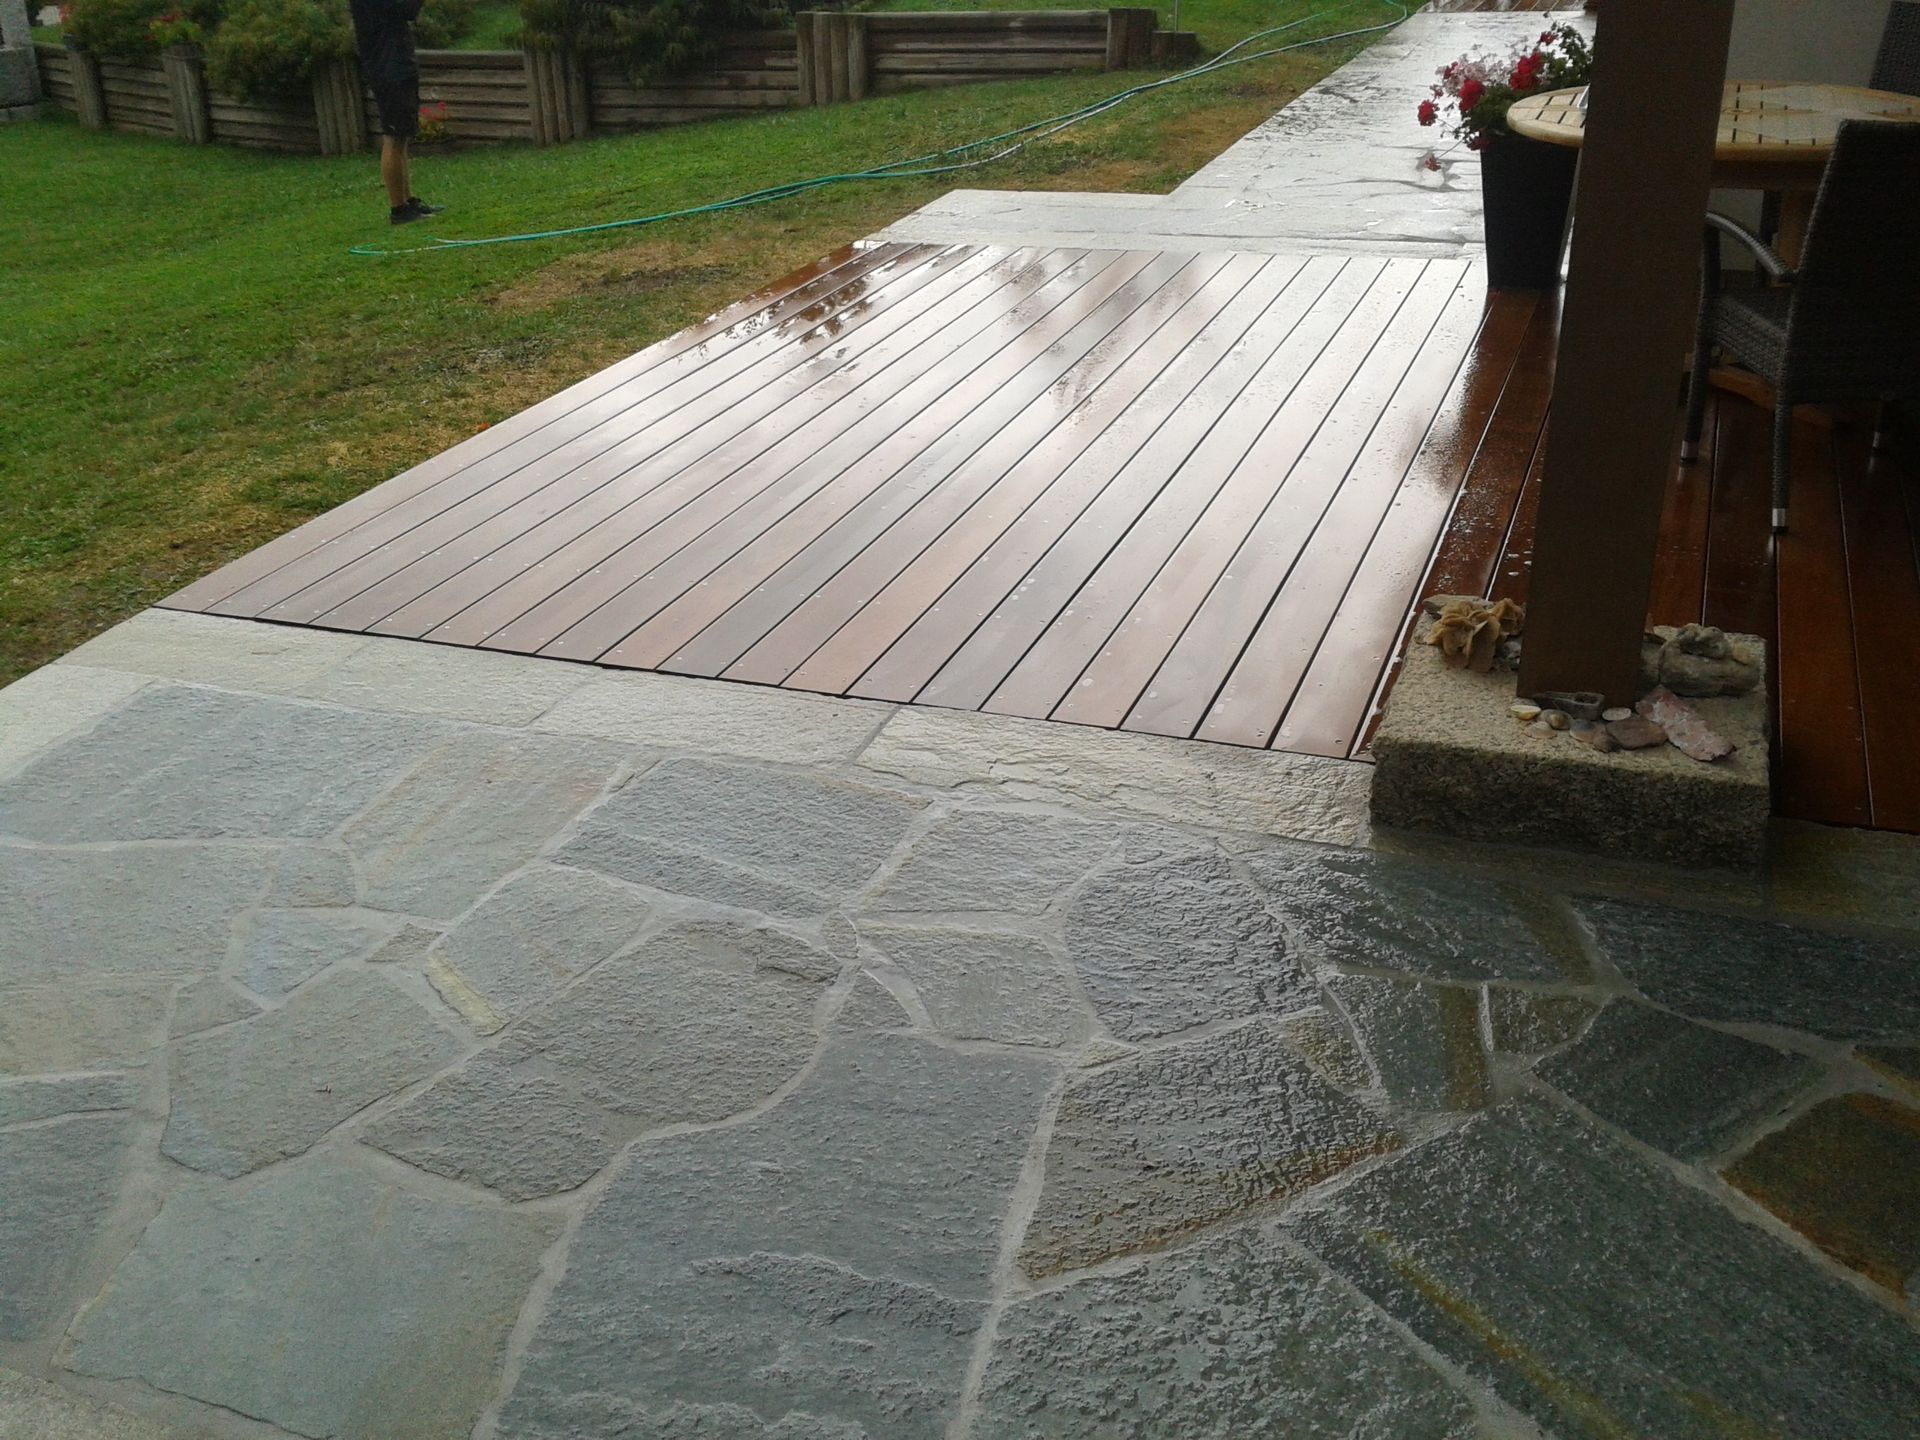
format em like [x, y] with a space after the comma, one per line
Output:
[553, 96]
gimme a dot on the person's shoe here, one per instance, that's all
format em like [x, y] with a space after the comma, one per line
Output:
[425, 209]
[411, 211]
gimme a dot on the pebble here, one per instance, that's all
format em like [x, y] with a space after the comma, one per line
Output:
[1636, 732]
[1597, 737]
[1556, 719]
[1521, 710]
[1618, 712]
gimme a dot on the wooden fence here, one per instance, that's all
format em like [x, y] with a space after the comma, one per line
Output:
[552, 96]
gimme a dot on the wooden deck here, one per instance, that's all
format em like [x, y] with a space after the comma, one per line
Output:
[1190, 495]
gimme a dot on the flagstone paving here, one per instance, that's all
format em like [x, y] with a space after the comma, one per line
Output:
[432, 1070]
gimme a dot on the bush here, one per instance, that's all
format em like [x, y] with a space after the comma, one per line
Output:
[653, 38]
[115, 27]
[269, 47]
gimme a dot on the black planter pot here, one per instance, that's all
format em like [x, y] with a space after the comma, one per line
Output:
[1526, 187]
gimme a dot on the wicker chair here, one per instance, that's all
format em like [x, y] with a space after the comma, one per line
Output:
[1897, 67]
[1846, 325]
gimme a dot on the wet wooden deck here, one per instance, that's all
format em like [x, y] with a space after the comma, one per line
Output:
[1189, 495]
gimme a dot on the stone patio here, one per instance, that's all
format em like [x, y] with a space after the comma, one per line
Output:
[495, 1047]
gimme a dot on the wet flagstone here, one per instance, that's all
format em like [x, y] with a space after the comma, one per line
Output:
[1329, 1047]
[769, 840]
[1369, 912]
[1232, 1337]
[977, 985]
[1166, 945]
[1423, 1040]
[249, 1094]
[1846, 1174]
[1678, 1086]
[1146, 1150]
[321, 1299]
[700, 1023]
[828, 1262]
[1525, 1022]
[1605, 1298]
[980, 860]
[58, 1182]
[1724, 967]
[1898, 1063]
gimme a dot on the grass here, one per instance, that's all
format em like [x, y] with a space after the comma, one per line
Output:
[496, 24]
[196, 364]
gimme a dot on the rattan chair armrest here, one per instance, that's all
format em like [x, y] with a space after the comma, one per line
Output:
[1763, 254]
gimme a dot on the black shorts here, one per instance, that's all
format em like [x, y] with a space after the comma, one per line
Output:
[395, 81]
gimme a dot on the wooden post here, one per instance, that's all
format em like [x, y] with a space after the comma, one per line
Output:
[1632, 289]
[840, 80]
[822, 59]
[338, 108]
[1119, 28]
[556, 95]
[90, 100]
[187, 93]
[803, 40]
[859, 58]
[1140, 36]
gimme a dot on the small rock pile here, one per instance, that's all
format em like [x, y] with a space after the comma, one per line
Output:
[1698, 661]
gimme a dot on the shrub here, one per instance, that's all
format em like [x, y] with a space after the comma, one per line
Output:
[653, 38]
[268, 47]
[442, 22]
[115, 27]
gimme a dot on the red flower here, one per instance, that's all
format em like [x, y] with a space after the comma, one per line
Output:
[1546, 37]
[1526, 71]
[1429, 112]
[1471, 94]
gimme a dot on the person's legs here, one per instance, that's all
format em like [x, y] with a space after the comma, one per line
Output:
[393, 169]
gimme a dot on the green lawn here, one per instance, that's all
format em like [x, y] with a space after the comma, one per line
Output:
[196, 364]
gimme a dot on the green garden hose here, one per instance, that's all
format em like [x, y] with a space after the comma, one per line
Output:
[940, 162]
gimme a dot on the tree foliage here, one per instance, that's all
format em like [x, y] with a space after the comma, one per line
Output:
[652, 38]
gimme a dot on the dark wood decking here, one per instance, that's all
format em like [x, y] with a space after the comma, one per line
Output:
[1125, 489]
[1191, 495]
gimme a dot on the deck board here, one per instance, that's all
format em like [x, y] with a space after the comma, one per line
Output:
[1194, 495]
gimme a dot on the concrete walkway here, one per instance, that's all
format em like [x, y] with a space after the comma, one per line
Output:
[1341, 171]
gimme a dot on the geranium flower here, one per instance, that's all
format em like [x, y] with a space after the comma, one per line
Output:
[1429, 112]
[1471, 94]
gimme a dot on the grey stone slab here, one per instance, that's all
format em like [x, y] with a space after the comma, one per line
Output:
[774, 840]
[250, 1094]
[869, 1005]
[204, 1004]
[1678, 1086]
[409, 943]
[1232, 1337]
[1146, 1151]
[481, 806]
[140, 910]
[58, 1183]
[1303, 797]
[277, 950]
[1382, 913]
[79, 1025]
[1897, 1063]
[822, 1267]
[524, 941]
[216, 650]
[1328, 1045]
[319, 1299]
[1167, 945]
[42, 1097]
[700, 1023]
[1734, 968]
[51, 704]
[181, 763]
[1526, 1022]
[978, 985]
[479, 686]
[1870, 876]
[318, 875]
[996, 861]
[708, 717]
[1423, 1040]
[1602, 1296]
[36, 1410]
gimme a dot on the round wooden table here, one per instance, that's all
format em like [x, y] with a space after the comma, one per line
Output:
[1774, 135]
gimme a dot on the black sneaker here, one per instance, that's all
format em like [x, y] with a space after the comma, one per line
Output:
[411, 211]
[425, 209]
